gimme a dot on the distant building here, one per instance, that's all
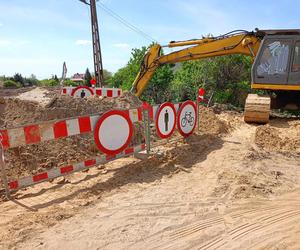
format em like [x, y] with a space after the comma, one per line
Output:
[79, 78]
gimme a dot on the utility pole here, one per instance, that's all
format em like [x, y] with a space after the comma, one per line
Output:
[98, 67]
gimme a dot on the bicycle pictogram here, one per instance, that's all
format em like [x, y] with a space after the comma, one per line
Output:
[187, 119]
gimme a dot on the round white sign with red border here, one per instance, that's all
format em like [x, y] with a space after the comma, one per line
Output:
[82, 91]
[186, 118]
[113, 132]
[165, 120]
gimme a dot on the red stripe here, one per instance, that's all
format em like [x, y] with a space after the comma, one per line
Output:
[99, 92]
[119, 92]
[13, 184]
[143, 146]
[60, 129]
[40, 177]
[5, 139]
[127, 112]
[89, 163]
[64, 91]
[129, 151]
[32, 134]
[66, 169]
[140, 114]
[84, 124]
[109, 93]
[110, 157]
[151, 111]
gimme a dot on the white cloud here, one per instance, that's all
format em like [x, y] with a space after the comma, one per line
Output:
[4, 42]
[83, 42]
[121, 45]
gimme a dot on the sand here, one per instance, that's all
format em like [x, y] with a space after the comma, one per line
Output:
[222, 188]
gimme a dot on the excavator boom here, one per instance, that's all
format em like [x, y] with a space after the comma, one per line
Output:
[246, 43]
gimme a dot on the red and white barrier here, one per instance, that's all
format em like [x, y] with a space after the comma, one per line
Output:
[61, 171]
[33, 134]
[105, 92]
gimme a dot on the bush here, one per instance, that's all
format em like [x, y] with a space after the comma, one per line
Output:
[11, 84]
[49, 82]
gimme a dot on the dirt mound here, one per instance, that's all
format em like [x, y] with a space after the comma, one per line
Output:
[21, 111]
[274, 137]
[210, 123]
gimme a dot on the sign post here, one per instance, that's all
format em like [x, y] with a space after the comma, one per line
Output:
[146, 117]
[200, 98]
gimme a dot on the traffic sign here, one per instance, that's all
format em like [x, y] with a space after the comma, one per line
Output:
[82, 91]
[113, 132]
[186, 119]
[165, 120]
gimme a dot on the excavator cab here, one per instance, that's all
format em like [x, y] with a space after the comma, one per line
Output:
[277, 64]
[276, 69]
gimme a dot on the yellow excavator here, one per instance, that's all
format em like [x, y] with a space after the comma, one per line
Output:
[276, 66]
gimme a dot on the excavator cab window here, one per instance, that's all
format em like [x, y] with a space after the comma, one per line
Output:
[296, 59]
[294, 75]
[272, 63]
[274, 59]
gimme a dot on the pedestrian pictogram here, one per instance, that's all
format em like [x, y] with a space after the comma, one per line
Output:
[165, 120]
[113, 132]
[187, 115]
[82, 91]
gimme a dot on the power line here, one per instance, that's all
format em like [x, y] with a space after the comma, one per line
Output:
[125, 22]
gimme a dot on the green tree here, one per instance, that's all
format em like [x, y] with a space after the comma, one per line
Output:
[87, 77]
[107, 77]
[125, 76]
[227, 76]
[19, 79]
[158, 89]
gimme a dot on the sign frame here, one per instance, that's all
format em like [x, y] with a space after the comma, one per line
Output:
[179, 121]
[165, 104]
[82, 87]
[100, 146]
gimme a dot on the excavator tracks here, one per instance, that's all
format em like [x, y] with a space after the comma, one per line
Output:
[257, 109]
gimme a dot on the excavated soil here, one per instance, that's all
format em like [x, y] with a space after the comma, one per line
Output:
[38, 105]
[230, 185]
[280, 135]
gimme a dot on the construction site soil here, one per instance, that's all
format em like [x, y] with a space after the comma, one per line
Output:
[226, 180]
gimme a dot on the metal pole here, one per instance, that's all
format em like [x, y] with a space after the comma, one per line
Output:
[146, 117]
[98, 67]
[3, 172]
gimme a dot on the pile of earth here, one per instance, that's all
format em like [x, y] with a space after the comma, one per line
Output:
[280, 135]
[22, 109]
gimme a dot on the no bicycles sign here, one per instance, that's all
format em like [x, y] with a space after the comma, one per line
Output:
[187, 117]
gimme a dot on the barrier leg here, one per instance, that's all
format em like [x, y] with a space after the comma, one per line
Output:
[147, 128]
[3, 172]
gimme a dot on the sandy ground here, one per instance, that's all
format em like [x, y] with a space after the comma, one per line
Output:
[222, 188]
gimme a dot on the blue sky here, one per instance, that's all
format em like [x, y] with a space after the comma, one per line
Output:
[38, 36]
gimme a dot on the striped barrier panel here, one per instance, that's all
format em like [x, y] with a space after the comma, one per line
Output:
[61, 171]
[105, 92]
[36, 133]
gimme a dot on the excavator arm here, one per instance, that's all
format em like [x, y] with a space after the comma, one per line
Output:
[241, 42]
